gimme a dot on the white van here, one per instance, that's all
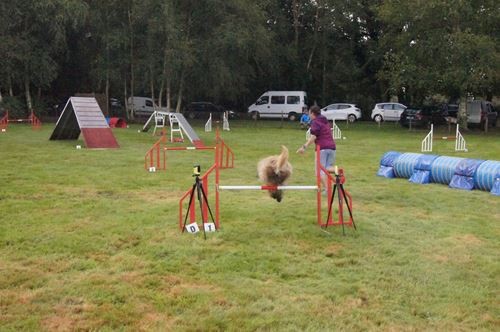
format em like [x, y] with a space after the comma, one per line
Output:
[279, 104]
[143, 106]
[478, 111]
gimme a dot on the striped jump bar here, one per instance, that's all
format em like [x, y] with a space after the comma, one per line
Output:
[267, 187]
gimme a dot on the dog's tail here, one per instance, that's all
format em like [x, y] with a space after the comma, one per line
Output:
[282, 159]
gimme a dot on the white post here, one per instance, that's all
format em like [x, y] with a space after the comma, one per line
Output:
[427, 141]
[225, 121]
[459, 141]
[336, 132]
[208, 125]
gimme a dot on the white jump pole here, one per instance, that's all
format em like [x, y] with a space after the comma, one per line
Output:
[268, 188]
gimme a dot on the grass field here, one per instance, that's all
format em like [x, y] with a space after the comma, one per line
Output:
[90, 241]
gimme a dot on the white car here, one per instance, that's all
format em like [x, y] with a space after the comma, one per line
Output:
[349, 112]
[387, 112]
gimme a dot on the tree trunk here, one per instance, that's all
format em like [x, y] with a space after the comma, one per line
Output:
[462, 112]
[296, 22]
[151, 82]
[323, 74]
[315, 41]
[1, 97]
[131, 62]
[29, 103]
[11, 91]
[169, 106]
[127, 109]
[163, 76]
[160, 93]
[179, 94]
[106, 91]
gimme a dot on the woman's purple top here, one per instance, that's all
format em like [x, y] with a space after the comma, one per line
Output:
[320, 127]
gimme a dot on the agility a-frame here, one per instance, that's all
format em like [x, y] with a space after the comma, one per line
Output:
[83, 114]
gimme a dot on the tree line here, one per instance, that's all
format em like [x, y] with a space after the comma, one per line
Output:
[229, 52]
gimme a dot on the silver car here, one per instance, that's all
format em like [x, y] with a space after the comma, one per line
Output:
[387, 112]
[349, 112]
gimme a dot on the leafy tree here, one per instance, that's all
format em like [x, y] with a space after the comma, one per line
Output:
[35, 38]
[436, 46]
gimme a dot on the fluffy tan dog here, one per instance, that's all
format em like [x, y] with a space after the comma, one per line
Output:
[274, 171]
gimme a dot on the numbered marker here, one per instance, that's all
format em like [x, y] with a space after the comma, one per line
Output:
[192, 228]
[3, 130]
[209, 227]
[152, 169]
[78, 147]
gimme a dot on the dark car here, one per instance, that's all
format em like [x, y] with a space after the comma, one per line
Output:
[422, 116]
[450, 110]
[202, 110]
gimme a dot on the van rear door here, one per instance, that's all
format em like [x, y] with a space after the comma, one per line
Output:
[473, 112]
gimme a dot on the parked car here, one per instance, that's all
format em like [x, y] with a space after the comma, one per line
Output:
[450, 110]
[278, 104]
[202, 110]
[387, 112]
[478, 111]
[349, 112]
[422, 116]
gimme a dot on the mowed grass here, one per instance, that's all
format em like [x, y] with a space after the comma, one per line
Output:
[90, 241]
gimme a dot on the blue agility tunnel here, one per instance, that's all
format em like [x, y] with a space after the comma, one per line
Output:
[387, 164]
[459, 173]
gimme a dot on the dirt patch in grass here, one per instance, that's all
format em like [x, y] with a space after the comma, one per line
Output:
[69, 315]
[155, 321]
[460, 254]
[467, 239]
[333, 250]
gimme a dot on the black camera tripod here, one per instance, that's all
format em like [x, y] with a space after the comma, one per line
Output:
[341, 197]
[202, 197]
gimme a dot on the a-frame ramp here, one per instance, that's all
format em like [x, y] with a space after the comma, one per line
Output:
[83, 114]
